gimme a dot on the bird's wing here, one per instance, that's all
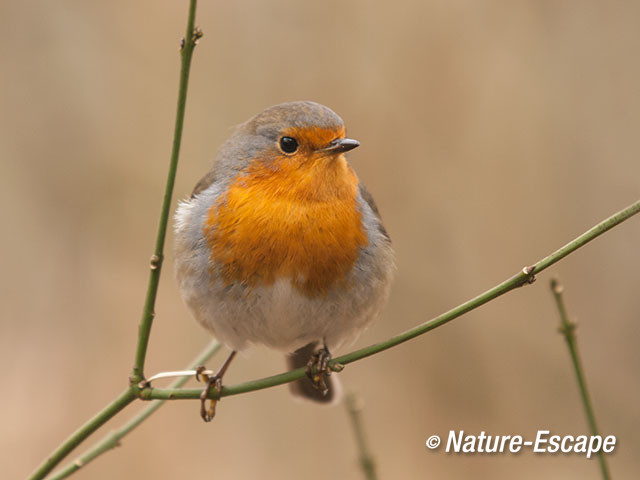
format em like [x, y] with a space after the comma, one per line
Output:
[367, 197]
[204, 183]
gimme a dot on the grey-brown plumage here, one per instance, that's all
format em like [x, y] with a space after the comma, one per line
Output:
[241, 312]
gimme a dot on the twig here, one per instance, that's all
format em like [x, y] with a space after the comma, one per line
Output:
[191, 37]
[112, 440]
[354, 408]
[524, 277]
[83, 432]
[567, 328]
[137, 375]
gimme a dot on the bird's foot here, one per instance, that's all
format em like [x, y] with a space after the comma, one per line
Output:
[213, 381]
[318, 369]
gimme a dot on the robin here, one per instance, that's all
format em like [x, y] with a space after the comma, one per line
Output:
[281, 245]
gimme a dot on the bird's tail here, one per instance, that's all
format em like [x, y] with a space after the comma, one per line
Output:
[303, 388]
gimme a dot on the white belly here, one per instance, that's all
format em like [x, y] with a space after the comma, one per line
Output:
[280, 317]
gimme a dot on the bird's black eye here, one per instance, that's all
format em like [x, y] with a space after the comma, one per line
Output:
[288, 144]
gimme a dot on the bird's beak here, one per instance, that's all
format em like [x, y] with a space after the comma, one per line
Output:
[341, 145]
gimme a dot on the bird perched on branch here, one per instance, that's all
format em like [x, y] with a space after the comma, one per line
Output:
[280, 244]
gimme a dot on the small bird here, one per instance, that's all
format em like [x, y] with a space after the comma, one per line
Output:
[281, 245]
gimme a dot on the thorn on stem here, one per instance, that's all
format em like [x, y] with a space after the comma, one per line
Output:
[155, 262]
[336, 367]
[142, 384]
[568, 329]
[197, 35]
[528, 271]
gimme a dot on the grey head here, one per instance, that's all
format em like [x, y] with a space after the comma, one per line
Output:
[258, 137]
[273, 120]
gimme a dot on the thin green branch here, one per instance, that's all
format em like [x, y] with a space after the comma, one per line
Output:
[354, 408]
[522, 278]
[137, 375]
[190, 40]
[112, 440]
[567, 328]
[125, 398]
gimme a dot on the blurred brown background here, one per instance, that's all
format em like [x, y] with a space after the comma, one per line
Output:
[492, 133]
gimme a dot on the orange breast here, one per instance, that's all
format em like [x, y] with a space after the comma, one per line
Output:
[288, 219]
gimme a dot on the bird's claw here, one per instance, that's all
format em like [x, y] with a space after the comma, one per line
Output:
[318, 369]
[202, 371]
[212, 381]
